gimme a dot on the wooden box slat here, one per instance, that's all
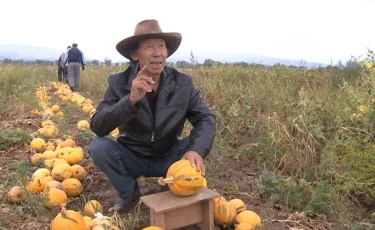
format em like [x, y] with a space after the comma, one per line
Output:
[185, 216]
[166, 201]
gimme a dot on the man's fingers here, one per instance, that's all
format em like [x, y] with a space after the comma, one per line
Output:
[140, 84]
[200, 166]
[142, 74]
[192, 161]
[146, 79]
[203, 170]
[187, 157]
[145, 86]
[142, 71]
[197, 161]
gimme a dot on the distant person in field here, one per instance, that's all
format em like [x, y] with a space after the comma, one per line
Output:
[149, 104]
[61, 72]
[76, 60]
[65, 73]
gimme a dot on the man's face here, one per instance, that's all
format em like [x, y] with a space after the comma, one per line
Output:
[153, 53]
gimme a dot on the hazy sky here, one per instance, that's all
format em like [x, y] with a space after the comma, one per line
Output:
[313, 30]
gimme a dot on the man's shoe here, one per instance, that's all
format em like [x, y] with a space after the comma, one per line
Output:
[72, 88]
[124, 205]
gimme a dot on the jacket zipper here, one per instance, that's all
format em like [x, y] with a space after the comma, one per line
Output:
[153, 126]
[153, 120]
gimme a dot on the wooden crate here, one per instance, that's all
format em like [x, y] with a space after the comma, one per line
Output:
[169, 211]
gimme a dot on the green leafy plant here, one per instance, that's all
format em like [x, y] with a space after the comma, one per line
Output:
[14, 137]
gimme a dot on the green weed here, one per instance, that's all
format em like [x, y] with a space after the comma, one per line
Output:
[13, 138]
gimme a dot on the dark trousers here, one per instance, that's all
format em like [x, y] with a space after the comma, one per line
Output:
[65, 73]
[60, 73]
[122, 166]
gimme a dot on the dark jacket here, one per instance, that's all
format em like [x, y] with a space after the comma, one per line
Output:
[178, 100]
[75, 55]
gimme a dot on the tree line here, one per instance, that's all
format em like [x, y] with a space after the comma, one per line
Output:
[192, 63]
[108, 62]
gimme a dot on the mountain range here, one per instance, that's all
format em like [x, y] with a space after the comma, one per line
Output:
[30, 52]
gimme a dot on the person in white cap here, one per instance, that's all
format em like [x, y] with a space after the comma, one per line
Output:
[62, 71]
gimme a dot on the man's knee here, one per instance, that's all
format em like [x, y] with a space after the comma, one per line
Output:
[99, 148]
[184, 143]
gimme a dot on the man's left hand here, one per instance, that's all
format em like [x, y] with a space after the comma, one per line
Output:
[195, 160]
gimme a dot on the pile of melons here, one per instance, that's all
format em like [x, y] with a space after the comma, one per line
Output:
[59, 175]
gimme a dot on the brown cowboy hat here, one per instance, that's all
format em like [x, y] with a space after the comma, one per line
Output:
[148, 29]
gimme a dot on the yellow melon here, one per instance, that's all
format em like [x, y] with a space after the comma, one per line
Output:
[61, 172]
[38, 143]
[249, 217]
[92, 207]
[55, 197]
[73, 187]
[238, 204]
[53, 184]
[78, 172]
